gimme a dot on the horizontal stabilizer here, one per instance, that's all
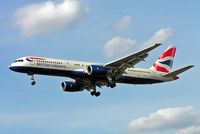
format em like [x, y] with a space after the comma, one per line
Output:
[177, 72]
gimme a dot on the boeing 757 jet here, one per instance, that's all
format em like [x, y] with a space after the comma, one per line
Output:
[88, 75]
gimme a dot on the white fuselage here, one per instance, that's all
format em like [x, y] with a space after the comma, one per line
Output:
[77, 70]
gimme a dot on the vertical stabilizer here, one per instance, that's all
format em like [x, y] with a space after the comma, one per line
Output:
[165, 61]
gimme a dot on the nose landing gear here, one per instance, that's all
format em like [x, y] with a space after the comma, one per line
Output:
[32, 79]
[33, 82]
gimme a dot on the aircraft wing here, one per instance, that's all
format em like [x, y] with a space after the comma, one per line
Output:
[120, 65]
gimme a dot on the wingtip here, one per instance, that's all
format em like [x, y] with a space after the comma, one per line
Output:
[157, 44]
[190, 66]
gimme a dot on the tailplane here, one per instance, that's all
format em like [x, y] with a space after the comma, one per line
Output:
[165, 61]
[178, 71]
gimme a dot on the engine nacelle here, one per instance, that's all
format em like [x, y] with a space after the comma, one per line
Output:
[69, 86]
[97, 70]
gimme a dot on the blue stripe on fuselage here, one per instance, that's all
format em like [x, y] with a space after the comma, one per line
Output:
[45, 71]
[137, 80]
[80, 74]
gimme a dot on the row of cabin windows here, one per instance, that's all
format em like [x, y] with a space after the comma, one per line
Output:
[52, 62]
[57, 62]
[79, 65]
[138, 71]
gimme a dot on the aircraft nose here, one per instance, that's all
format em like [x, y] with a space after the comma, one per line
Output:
[11, 67]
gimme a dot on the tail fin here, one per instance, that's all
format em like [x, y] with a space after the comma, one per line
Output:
[165, 61]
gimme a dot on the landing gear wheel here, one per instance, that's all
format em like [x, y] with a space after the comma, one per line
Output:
[93, 93]
[97, 94]
[113, 85]
[33, 83]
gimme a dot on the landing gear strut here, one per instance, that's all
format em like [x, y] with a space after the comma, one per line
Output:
[94, 92]
[32, 79]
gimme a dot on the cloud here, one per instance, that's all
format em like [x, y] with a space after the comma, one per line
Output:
[118, 46]
[164, 119]
[48, 16]
[189, 130]
[160, 36]
[123, 23]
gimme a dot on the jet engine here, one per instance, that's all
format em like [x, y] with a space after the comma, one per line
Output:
[97, 70]
[69, 86]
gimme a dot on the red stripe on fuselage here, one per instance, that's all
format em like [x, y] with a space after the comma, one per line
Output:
[36, 58]
[160, 69]
[170, 52]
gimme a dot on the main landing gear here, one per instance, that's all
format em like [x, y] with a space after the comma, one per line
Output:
[32, 79]
[111, 85]
[95, 93]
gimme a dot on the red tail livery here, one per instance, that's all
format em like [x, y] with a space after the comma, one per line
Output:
[165, 61]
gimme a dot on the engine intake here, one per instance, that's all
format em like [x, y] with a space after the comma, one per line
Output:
[69, 86]
[97, 70]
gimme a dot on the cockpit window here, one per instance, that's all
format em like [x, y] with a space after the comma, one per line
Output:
[19, 60]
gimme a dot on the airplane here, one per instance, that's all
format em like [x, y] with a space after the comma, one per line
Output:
[89, 75]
